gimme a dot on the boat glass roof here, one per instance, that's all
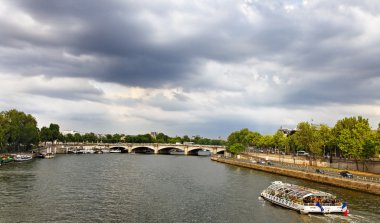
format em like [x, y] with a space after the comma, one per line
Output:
[296, 190]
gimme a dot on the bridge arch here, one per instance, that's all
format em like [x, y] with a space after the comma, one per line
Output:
[194, 150]
[167, 149]
[143, 149]
[221, 151]
[123, 149]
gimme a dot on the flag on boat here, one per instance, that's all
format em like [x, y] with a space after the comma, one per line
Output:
[320, 206]
[344, 209]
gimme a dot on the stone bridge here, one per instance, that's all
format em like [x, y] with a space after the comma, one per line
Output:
[156, 148]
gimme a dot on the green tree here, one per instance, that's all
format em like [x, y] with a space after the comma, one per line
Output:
[54, 131]
[309, 138]
[90, 137]
[45, 134]
[69, 138]
[50, 134]
[243, 137]
[236, 148]
[266, 142]
[77, 137]
[255, 137]
[162, 138]
[327, 138]
[219, 142]
[176, 139]
[186, 138]
[116, 138]
[19, 131]
[354, 138]
[371, 145]
[376, 140]
[3, 140]
[279, 140]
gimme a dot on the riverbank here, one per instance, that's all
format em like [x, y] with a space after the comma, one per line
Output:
[371, 166]
[373, 188]
[303, 161]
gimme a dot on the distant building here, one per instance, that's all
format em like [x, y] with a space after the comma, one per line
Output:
[287, 131]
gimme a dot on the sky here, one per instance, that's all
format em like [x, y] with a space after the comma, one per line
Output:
[200, 67]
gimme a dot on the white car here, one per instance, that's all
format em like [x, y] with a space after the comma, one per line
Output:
[302, 153]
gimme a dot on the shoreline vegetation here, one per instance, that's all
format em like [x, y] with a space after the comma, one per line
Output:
[350, 138]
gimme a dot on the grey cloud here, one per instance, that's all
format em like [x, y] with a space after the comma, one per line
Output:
[179, 103]
[67, 94]
[127, 53]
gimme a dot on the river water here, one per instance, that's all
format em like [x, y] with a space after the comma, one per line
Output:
[153, 188]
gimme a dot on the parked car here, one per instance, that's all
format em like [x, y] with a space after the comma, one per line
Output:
[261, 162]
[302, 153]
[270, 163]
[320, 171]
[346, 174]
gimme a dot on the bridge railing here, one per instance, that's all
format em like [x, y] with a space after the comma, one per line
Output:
[140, 144]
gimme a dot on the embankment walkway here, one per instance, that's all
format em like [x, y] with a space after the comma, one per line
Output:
[369, 187]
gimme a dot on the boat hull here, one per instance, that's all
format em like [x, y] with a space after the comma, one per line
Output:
[22, 158]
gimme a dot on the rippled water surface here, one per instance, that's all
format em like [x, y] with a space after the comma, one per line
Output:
[153, 188]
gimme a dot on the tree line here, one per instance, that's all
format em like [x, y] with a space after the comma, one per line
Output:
[19, 132]
[351, 137]
[141, 138]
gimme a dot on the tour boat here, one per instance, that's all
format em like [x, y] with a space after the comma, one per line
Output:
[302, 199]
[115, 151]
[21, 158]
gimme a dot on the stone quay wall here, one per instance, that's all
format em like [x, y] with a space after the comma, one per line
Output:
[371, 166]
[373, 188]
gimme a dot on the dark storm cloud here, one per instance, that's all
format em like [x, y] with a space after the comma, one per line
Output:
[67, 94]
[106, 30]
[321, 40]
[124, 46]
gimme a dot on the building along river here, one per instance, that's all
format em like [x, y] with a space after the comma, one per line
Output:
[153, 188]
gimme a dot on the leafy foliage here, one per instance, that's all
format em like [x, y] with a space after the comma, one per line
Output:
[236, 148]
[18, 131]
[353, 136]
[243, 138]
[309, 138]
[279, 140]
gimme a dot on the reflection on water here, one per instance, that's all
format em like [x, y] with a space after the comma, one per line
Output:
[153, 188]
